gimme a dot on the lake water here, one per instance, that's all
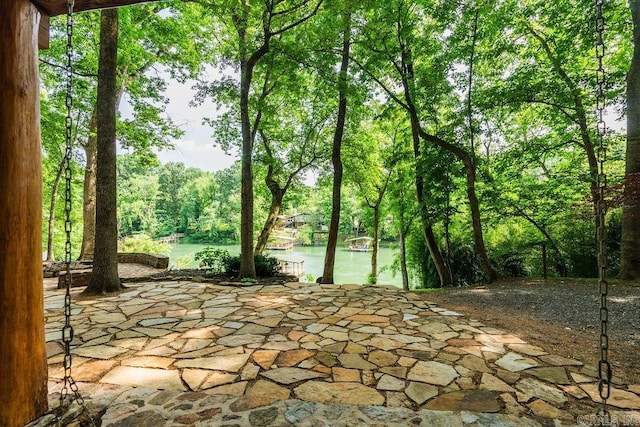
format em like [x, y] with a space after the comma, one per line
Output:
[350, 267]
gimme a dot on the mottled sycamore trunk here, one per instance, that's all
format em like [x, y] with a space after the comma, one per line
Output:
[23, 359]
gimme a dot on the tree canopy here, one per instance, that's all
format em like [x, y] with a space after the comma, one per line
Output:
[466, 131]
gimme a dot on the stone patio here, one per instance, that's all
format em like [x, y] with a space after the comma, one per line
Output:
[197, 354]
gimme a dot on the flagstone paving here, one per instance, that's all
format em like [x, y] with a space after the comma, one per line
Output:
[176, 353]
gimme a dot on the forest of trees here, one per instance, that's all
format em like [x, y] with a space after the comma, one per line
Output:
[464, 133]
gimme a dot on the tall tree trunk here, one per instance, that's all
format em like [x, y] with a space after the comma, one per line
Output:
[478, 237]
[630, 251]
[403, 259]
[51, 226]
[89, 192]
[374, 252]
[277, 195]
[247, 65]
[444, 272]
[336, 157]
[376, 225]
[23, 357]
[105, 263]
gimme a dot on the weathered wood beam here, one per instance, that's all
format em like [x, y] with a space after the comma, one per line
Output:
[43, 32]
[59, 7]
[23, 358]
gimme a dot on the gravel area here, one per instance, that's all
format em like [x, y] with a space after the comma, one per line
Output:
[562, 315]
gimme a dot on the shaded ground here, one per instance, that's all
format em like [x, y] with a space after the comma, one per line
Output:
[560, 315]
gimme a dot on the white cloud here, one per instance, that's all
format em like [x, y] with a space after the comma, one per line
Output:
[199, 154]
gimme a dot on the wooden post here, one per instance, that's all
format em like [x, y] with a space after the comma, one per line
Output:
[23, 358]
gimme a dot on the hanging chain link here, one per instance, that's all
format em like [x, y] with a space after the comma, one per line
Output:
[69, 385]
[604, 367]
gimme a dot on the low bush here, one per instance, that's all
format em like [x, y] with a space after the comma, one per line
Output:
[219, 261]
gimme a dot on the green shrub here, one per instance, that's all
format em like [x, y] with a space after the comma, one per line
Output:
[145, 244]
[219, 261]
[215, 260]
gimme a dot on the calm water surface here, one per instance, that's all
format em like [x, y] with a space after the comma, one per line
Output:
[350, 267]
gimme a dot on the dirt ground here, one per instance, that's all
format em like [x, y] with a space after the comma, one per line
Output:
[561, 316]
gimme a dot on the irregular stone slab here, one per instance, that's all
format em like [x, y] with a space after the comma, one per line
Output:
[492, 383]
[369, 330]
[130, 343]
[554, 359]
[270, 322]
[217, 379]
[194, 377]
[299, 412]
[263, 417]
[234, 389]
[265, 358]
[554, 374]
[219, 312]
[396, 371]
[514, 362]
[345, 375]
[432, 373]
[92, 371]
[327, 359]
[384, 343]
[202, 333]
[291, 375]
[434, 328]
[534, 388]
[157, 321]
[355, 348]
[293, 357]
[249, 372]
[244, 339]
[618, 398]
[528, 349]
[474, 363]
[281, 345]
[369, 318]
[543, 409]
[230, 363]
[144, 377]
[152, 332]
[334, 348]
[466, 400]
[420, 392]
[353, 393]
[335, 335]
[149, 362]
[262, 393]
[110, 318]
[253, 329]
[387, 382]
[103, 352]
[407, 339]
[502, 338]
[382, 358]
[355, 361]
[574, 391]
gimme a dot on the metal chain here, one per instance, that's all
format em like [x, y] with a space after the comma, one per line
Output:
[69, 384]
[604, 367]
